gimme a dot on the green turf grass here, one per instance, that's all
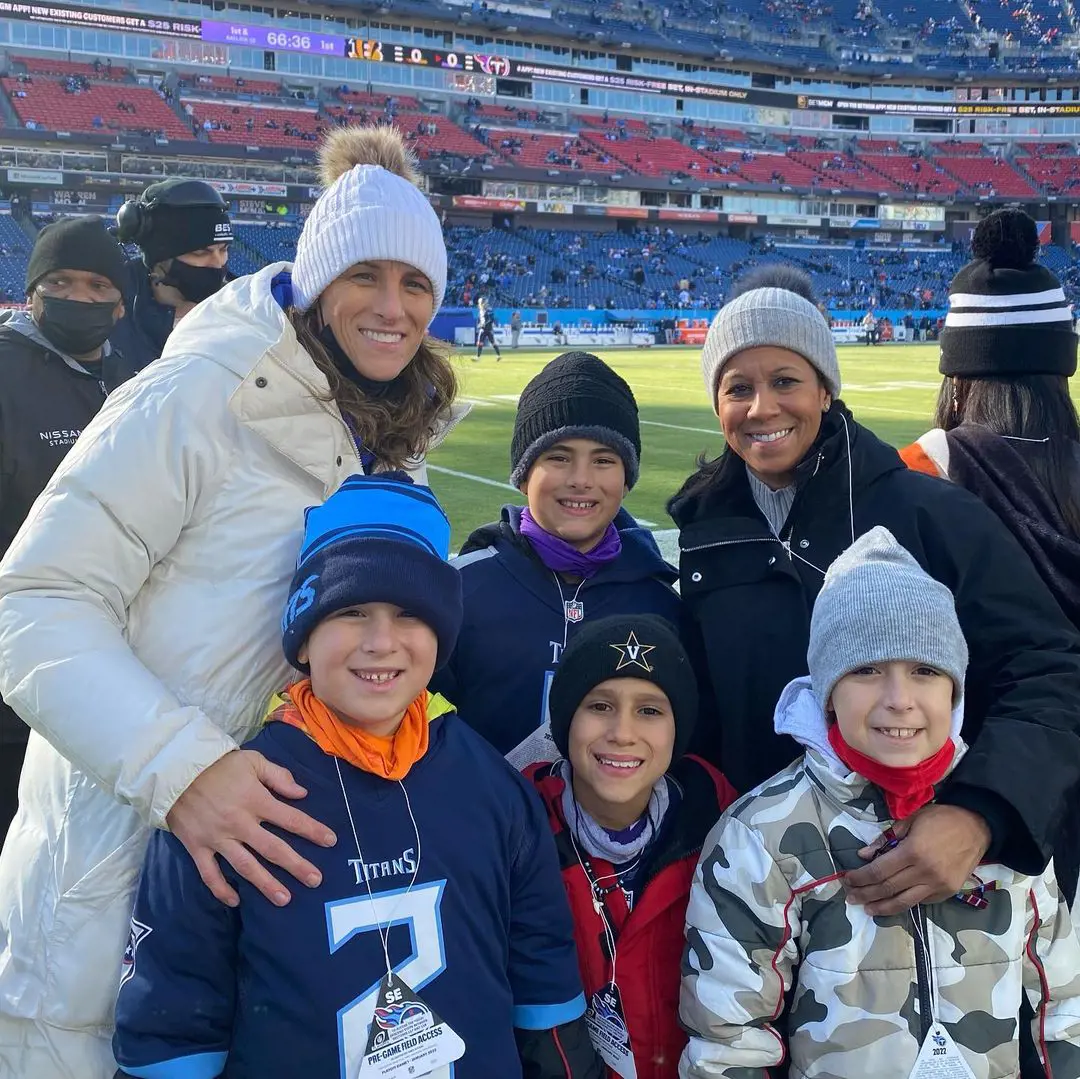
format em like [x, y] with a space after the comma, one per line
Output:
[891, 389]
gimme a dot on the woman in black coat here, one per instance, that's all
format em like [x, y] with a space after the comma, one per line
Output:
[799, 480]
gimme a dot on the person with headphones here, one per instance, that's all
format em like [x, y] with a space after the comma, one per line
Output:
[183, 231]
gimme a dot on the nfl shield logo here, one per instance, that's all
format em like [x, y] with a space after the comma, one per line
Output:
[575, 611]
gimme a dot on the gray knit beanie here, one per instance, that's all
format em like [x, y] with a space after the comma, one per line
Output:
[770, 316]
[878, 604]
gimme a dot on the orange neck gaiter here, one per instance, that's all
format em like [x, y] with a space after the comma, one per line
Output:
[388, 758]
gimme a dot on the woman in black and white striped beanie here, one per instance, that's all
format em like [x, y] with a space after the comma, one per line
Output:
[1006, 425]
[1007, 314]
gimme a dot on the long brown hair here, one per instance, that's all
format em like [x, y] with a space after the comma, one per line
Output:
[395, 431]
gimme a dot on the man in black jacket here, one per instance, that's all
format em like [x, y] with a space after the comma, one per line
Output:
[56, 367]
[183, 230]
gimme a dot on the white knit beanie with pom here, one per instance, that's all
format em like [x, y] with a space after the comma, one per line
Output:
[370, 210]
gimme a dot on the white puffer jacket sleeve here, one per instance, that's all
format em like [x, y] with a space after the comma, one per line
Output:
[112, 512]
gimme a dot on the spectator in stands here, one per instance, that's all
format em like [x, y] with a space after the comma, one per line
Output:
[58, 368]
[799, 479]
[1007, 428]
[183, 230]
[573, 553]
[140, 609]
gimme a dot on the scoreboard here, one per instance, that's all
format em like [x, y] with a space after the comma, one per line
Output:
[383, 52]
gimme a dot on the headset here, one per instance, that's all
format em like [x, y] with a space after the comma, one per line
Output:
[135, 219]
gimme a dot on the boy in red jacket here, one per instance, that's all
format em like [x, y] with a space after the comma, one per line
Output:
[630, 813]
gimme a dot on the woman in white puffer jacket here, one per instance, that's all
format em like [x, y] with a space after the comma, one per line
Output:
[140, 602]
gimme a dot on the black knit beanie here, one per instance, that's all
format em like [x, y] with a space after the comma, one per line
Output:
[575, 396]
[1007, 315]
[624, 646]
[175, 217]
[76, 243]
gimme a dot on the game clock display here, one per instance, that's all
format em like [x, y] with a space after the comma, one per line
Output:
[265, 37]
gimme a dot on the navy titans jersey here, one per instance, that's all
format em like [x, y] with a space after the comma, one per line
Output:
[258, 992]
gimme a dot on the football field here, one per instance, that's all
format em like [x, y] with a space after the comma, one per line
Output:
[891, 389]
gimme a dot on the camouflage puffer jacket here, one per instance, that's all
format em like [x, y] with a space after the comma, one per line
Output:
[779, 967]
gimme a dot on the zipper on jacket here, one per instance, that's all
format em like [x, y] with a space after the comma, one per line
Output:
[729, 543]
[922, 972]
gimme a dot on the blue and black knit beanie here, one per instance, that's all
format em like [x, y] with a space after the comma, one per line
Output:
[377, 539]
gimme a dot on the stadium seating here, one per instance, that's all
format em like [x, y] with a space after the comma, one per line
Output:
[365, 99]
[228, 84]
[988, 176]
[765, 168]
[652, 156]
[47, 65]
[14, 254]
[47, 103]
[255, 125]
[1052, 174]
[915, 176]
[541, 151]
[844, 172]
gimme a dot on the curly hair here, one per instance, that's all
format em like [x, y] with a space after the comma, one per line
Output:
[398, 431]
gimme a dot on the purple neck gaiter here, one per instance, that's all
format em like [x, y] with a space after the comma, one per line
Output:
[562, 557]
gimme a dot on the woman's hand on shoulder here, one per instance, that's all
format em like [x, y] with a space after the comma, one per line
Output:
[223, 812]
[941, 846]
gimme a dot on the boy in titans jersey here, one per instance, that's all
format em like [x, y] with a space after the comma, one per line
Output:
[439, 942]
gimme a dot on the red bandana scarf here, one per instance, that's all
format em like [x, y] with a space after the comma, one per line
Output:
[906, 789]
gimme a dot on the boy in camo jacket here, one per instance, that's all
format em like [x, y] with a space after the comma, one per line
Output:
[779, 969]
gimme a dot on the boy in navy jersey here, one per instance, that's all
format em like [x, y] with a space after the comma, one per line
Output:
[439, 942]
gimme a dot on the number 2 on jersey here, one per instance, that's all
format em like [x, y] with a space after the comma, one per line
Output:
[420, 911]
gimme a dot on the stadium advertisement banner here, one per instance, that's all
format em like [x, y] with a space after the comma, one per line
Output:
[742, 219]
[482, 202]
[232, 187]
[802, 220]
[676, 214]
[548, 206]
[102, 19]
[909, 212]
[626, 211]
[36, 176]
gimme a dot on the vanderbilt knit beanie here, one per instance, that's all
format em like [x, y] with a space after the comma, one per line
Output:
[770, 316]
[371, 209]
[878, 604]
[641, 646]
[76, 243]
[575, 396]
[377, 539]
[1007, 315]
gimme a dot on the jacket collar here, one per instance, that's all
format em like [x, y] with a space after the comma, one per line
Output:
[799, 715]
[639, 560]
[692, 815]
[21, 322]
[726, 507]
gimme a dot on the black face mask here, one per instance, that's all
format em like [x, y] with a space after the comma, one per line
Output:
[195, 283]
[76, 328]
[394, 390]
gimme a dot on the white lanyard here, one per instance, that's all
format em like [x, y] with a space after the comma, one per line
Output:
[384, 934]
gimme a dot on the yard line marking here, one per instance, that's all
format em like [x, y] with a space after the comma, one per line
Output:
[512, 397]
[893, 411]
[506, 486]
[483, 402]
[470, 476]
[679, 427]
